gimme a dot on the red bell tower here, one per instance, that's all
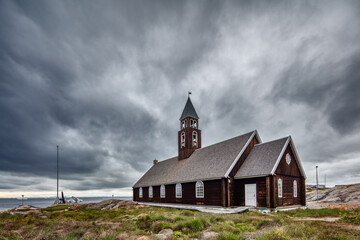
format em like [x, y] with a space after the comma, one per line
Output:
[189, 136]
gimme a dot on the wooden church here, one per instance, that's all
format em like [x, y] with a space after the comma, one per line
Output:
[241, 171]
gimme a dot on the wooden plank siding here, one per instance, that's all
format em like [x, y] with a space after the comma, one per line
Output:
[291, 169]
[288, 173]
[212, 193]
[239, 197]
[231, 189]
[288, 191]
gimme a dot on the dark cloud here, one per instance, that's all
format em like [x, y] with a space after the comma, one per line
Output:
[332, 89]
[108, 81]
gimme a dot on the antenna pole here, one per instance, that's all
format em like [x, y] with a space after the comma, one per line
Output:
[57, 174]
[317, 184]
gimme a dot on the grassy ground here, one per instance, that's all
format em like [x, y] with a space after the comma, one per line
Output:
[62, 222]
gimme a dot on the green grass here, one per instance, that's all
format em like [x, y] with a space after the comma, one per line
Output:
[325, 212]
[351, 217]
[62, 222]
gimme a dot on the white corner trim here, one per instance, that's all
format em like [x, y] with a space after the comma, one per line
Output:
[239, 155]
[257, 136]
[280, 155]
[297, 158]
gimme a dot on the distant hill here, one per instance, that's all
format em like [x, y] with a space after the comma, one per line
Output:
[345, 197]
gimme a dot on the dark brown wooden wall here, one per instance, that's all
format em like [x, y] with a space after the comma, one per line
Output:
[239, 195]
[288, 191]
[212, 192]
[289, 170]
[288, 173]
[232, 188]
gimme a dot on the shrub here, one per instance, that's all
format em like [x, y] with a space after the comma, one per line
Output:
[227, 236]
[160, 217]
[178, 218]
[275, 234]
[216, 219]
[177, 234]
[351, 217]
[194, 225]
[145, 222]
[160, 226]
[187, 213]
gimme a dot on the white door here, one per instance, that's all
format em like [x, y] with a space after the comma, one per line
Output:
[250, 194]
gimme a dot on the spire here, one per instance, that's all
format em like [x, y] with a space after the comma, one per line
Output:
[189, 110]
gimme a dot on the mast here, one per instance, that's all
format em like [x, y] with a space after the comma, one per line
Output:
[57, 174]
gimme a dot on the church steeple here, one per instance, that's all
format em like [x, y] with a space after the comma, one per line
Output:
[189, 136]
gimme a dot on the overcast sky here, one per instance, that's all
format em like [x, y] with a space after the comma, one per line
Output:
[107, 82]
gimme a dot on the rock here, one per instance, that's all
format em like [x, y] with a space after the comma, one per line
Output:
[167, 232]
[160, 236]
[143, 238]
[209, 235]
[123, 236]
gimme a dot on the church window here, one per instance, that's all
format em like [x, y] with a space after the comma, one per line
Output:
[183, 139]
[280, 188]
[191, 123]
[288, 158]
[199, 191]
[194, 138]
[150, 192]
[184, 124]
[178, 190]
[162, 191]
[295, 188]
[195, 124]
[140, 192]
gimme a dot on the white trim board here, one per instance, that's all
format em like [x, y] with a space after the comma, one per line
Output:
[297, 159]
[241, 152]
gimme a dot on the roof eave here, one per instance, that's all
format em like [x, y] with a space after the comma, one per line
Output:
[297, 159]
[255, 133]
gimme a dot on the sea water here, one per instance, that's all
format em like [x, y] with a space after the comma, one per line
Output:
[9, 203]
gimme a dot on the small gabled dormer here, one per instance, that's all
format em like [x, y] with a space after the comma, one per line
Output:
[189, 136]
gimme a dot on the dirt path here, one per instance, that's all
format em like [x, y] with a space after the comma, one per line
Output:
[324, 219]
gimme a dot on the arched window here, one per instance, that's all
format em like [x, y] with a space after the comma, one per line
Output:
[199, 189]
[178, 191]
[194, 138]
[280, 189]
[191, 123]
[184, 124]
[295, 188]
[195, 124]
[150, 192]
[183, 139]
[162, 191]
[140, 193]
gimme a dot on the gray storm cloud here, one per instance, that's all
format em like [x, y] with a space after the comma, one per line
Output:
[107, 81]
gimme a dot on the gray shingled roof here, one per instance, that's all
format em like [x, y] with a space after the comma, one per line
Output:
[261, 159]
[189, 110]
[210, 162]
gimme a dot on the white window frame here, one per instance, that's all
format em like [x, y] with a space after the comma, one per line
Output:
[178, 190]
[140, 192]
[194, 138]
[280, 188]
[150, 192]
[195, 124]
[199, 189]
[182, 139]
[191, 123]
[162, 191]
[295, 188]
